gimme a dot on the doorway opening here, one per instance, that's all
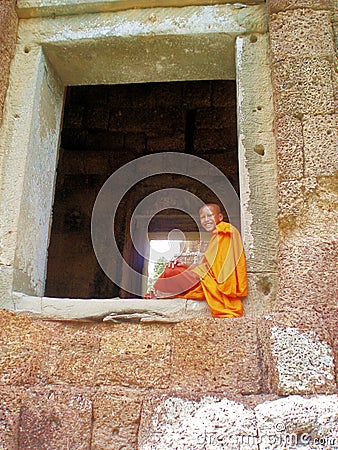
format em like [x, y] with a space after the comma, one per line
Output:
[107, 126]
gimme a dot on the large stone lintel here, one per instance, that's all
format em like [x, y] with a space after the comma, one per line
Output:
[44, 8]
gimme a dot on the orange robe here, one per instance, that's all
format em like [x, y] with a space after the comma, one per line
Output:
[220, 279]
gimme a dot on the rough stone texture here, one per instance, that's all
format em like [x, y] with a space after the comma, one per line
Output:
[289, 140]
[211, 422]
[298, 357]
[308, 207]
[320, 145]
[303, 86]
[55, 418]
[24, 349]
[217, 355]
[283, 5]
[321, 206]
[10, 403]
[35, 352]
[309, 422]
[301, 33]
[8, 27]
[290, 203]
[263, 294]
[73, 354]
[313, 285]
[214, 422]
[116, 417]
[141, 358]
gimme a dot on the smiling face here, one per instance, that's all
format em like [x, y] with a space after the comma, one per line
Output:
[210, 216]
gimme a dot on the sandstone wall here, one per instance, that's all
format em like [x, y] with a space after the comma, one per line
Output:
[128, 386]
[304, 62]
[8, 27]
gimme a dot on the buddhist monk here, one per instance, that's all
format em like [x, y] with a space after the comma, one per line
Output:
[220, 278]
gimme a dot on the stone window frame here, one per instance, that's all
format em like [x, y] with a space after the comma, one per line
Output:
[224, 41]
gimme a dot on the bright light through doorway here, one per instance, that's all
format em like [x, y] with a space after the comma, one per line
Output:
[162, 250]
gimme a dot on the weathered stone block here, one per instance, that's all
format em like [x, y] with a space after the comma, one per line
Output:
[116, 418]
[308, 273]
[297, 421]
[24, 348]
[262, 294]
[320, 200]
[55, 418]
[191, 423]
[216, 355]
[303, 86]
[290, 203]
[320, 145]
[289, 141]
[302, 32]
[309, 290]
[10, 402]
[297, 355]
[283, 5]
[73, 354]
[140, 358]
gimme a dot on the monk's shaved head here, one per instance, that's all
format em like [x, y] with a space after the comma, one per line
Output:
[213, 207]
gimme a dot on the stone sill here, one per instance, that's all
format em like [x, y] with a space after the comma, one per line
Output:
[44, 8]
[109, 310]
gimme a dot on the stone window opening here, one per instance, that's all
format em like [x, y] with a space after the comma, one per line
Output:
[105, 127]
[225, 43]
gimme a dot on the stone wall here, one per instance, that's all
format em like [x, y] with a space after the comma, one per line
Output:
[304, 62]
[128, 386]
[8, 27]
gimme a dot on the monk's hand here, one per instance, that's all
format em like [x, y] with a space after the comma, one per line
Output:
[174, 263]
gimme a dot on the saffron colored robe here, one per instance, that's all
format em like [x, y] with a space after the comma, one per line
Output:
[220, 279]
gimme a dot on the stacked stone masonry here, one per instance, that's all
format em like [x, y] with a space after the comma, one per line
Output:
[99, 386]
[260, 383]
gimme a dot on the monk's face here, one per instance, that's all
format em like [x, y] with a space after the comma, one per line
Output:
[210, 216]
